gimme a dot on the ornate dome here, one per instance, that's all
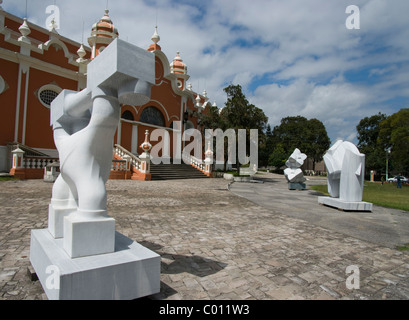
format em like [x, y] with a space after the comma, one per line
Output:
[102, 34]
[177, 66]
[105, 27]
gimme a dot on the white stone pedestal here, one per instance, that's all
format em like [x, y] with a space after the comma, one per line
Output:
[84, 236]
[345, 205]
[131, 271]
[296, 186]
[56, 216]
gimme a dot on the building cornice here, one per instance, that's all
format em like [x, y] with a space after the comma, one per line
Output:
[42, 30]
[40, 65]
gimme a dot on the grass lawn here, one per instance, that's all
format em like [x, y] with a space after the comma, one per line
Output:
[386, 195]
[7, 178]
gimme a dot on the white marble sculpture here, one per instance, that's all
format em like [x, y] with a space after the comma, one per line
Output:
[346, 169]
[84, 125]
[293, 173]
[81, 237]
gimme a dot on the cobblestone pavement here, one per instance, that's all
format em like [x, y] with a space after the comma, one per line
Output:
[213, 244]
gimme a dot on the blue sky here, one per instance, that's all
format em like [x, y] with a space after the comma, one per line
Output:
[293, 57]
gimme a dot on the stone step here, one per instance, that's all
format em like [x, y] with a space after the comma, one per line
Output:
[175, 171]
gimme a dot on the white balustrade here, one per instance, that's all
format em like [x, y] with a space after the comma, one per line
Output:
[193, 161]
[123, 153]
[118, 165]
[37, 163]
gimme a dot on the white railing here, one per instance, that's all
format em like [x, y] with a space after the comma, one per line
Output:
[134, 161]
[193, 161]
[119, 165]
[37, 163]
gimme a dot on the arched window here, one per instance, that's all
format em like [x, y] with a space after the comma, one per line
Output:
[152, 115]
[127, 115]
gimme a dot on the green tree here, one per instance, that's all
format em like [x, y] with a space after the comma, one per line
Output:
[267, 147]
[211, 119]
[291, 133]
[317, 140]
[278, 157]
[394, 134]
[238, 113]
[309, 136]
[368, 134]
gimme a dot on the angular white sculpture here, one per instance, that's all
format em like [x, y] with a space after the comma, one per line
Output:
[293, 173]
[84, 125]
[346, 170]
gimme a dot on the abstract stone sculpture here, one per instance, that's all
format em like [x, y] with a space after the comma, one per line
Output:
[293, 173]
[84, 125]
[346, 169]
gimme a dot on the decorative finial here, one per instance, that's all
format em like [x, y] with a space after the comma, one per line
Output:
[146, 146]
[155, 38]
[53, 26]
[209, 152]
[24, 29]
[106, 16]
[81, 52]
[197, 101]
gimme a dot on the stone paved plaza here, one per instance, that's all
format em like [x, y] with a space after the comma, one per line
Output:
[219, 242]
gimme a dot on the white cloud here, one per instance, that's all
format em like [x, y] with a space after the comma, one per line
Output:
[302, 45]
[338, 105]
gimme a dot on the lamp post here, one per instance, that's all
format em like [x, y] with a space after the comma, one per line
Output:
[388, 151]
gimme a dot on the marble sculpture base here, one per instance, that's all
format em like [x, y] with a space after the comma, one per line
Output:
[131, 271]
[345, 205]
[296, 186]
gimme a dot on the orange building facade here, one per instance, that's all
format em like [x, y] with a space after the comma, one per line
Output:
[36, 64]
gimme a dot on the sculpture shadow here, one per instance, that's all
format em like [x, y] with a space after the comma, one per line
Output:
[316, 193]
[122, 242]
[176, 264]
[266, 180]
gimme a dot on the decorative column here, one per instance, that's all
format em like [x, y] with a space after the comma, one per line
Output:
[82, 64]
[145, 157]
[17, 169]
[208, 160]
[127, 158]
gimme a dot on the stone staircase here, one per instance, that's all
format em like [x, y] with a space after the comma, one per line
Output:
[175, 171]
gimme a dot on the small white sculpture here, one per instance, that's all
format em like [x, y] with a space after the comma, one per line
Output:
[346, 169]
[293, 173]
[84, 125]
